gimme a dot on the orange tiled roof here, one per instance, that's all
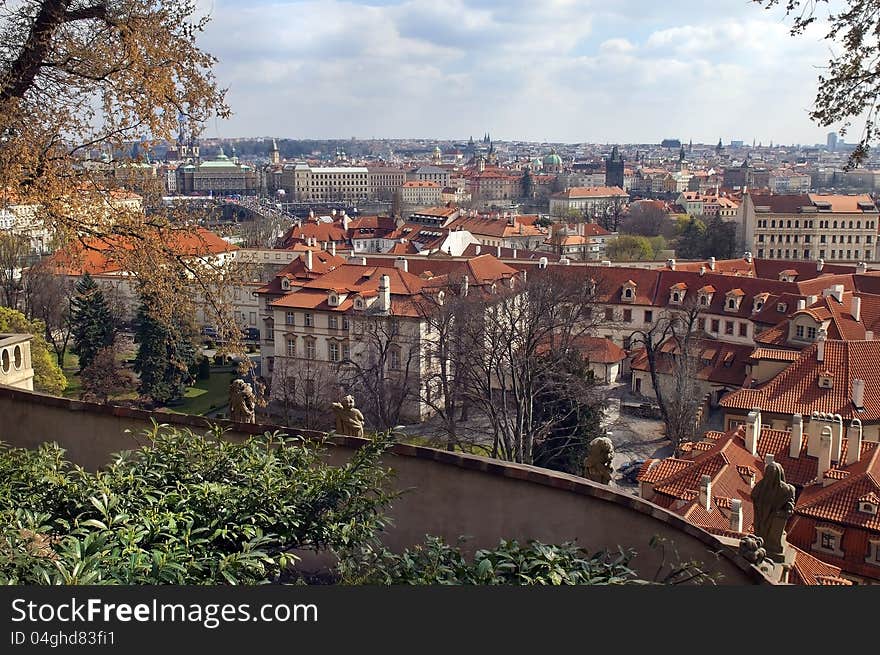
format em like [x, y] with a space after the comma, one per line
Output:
[795, 389]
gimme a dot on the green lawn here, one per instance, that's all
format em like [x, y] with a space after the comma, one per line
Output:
[206, 395]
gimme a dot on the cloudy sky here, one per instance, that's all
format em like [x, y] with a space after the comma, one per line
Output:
[544, 70]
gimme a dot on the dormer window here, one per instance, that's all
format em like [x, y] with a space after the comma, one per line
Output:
[828, 539]
[359, 303]
[628, 293]
[333, 299]
[868, 508]
[705, 295]
[285, 284]
[781, 307]
[677, 293]
[826, 380]
[733, 299]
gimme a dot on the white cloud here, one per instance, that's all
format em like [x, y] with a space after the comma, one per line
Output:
[564, 70]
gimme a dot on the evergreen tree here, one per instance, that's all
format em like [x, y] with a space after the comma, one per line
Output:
[93, 326]
[691, 243]
[165, 354]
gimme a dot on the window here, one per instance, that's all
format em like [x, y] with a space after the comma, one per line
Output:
[609, 314]
[827, 540]
[731, 304]
[701, 323]
[716, 325]
[308, 320]
[799, 331]
[395, 358]
[345, 323]
[288, 318]
[627, 315]
[310, 349]
[291, 347]
[743, 329]
[333, 351]
[728, 327]
[628, 293]
[333, 322]
[649, 316]
[346, 351]
[811, 333]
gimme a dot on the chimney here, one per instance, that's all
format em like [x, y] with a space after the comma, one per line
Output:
[706, 493]
[820, 264]
[514, 253]
[464, 286]
[542, 263]
[753, 430]
[797, 436]
[333, 248]
[856, 309]
[825, 440]
[712, 263]
[820, 345]
[346, 221]
[802, 304]
[736, 515]
[861, 267]
[498, 252]
[565, 261]
[748, 257]
[702, 271]
[671, 264]
[606, 263]
[360, 261]
[835, 291]
[402, 264]
[384, 300]
[309, 260]
[853, 441]
[869, 335]
[858, 393]
[478, 248]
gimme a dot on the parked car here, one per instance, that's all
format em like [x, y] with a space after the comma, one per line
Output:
[209, 331]
[251, 334]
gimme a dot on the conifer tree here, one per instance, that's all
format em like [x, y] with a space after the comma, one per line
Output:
[93, 326]
[165, 353]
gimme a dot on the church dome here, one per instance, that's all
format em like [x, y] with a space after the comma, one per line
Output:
[552, 159]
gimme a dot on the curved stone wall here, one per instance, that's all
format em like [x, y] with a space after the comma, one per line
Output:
[446, 494]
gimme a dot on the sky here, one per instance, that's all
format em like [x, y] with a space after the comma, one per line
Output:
[569, 71]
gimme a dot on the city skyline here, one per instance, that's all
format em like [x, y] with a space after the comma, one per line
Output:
[567, 72]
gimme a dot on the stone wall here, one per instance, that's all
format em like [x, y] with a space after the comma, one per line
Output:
[446, 494]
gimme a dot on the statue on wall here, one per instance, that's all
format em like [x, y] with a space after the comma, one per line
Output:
[242, 402]
[597, 466]
[773, 499]
[349, 420]
[752, 549]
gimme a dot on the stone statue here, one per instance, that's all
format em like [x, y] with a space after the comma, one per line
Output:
[242, 402]
[349, 420]
[597, 466]
[773, 499]
[752, 549]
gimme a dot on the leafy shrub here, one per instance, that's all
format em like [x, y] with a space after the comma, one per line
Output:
[511, 563]
[187, 509]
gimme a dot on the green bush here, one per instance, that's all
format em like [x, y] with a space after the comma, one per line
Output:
[511, 563]
[204, 371]
[187, 509]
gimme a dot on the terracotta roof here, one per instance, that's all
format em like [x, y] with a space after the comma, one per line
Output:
[591, 192]
[101, 256]
[776, 355]
[809, 570]
[795, 390]
[599, 350]
[718, 361]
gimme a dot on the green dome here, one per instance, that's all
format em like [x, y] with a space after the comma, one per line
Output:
[552, 159]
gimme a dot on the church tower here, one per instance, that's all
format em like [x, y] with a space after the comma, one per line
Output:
[274, 154]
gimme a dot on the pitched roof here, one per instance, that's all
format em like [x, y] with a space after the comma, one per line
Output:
[795, 389]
